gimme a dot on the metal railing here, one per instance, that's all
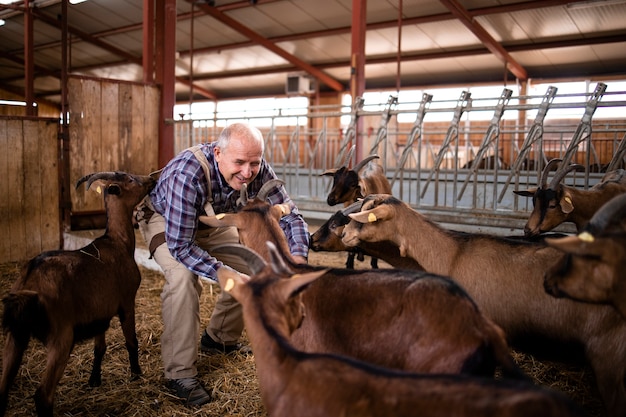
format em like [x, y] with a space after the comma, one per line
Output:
[429, 163]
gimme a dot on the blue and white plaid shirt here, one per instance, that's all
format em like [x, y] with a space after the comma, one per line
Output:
[180, 196]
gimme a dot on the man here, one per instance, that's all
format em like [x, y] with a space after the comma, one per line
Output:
[182, 247]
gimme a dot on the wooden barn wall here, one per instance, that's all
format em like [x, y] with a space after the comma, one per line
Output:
[29, 185]
[113, 126]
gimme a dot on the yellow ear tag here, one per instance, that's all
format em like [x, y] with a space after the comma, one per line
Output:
[220, 216]
[586, 237]
[99, 190]
[229, 284]
[568, 200]
[371, 218]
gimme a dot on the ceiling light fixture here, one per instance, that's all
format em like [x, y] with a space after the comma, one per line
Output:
[2, 22]
[76, 1]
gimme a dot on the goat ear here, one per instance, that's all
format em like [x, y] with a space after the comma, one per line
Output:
[230, 280]
[526, 193]
[329, 172]
[279, 210]
[98, 185]
[566, 203]
[298, 281]
[370, 216]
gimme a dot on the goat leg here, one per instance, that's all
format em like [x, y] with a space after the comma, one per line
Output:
[59, 350]
[132, 344]
[99, 349]
[11, 360]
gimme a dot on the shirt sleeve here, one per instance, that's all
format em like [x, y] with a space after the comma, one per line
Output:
[184, 195]
[293, 224]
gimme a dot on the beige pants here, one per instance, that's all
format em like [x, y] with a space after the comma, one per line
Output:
[180, 301]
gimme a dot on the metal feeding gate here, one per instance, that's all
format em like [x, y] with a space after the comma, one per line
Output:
[424, 160]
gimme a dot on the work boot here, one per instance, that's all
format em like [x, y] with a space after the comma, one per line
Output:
[189, 390]
[211, 347]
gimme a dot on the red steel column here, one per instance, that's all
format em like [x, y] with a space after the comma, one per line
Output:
[29, 62]
[148, 41]
[165, 75]
[357, 77]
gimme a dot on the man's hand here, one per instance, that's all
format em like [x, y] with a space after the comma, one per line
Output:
[300, 259]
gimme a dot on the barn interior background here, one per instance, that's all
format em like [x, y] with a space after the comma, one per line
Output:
[427, 85]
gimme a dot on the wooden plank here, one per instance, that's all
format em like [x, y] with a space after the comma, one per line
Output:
[85, 142]
[125, 127]
[151, 129]
[110, 126]
[49, 182]
[34, 199]
[17, 231]
[5, 243]
[136, 161]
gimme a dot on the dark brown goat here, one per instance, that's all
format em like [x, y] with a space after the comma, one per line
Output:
[505, 278]
[400, 329]
[295, 383]
[63, 297]
[349, 185]
[593, 269]
[327, 238]
[556, 203]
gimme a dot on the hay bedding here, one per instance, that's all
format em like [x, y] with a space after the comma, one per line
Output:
[231, 379]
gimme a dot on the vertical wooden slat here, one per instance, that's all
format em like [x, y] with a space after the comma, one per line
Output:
[111, 153]
[125, 126]
[136, 162]
[33, 200]
[86, 143]
[5, 243]
[49, 183]
[15, 175]
[151, 129]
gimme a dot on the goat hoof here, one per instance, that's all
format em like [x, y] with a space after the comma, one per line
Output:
[95, 381]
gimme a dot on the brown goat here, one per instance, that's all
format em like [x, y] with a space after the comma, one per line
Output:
[399, 330]
[295, 383]
[505, 278]
[63, 297]
[593, 268]
[349, 185]
[327, 238]
[556, 203]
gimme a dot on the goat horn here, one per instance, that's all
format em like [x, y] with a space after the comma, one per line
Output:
[243, 196]
[277, 261]
[267, 187]
[559, 175]
[348, 158]
[546, 170]
[361, 164]
[608, 214]
[352, 208]
[254, 261]
[90, 178]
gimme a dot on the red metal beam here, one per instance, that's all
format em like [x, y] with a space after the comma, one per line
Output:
[255, 37]
[166, 63]
[490, 43]
[29, 61]
[357, 64]
[148, 41]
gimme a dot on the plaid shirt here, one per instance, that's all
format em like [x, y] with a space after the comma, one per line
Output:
[180, 196]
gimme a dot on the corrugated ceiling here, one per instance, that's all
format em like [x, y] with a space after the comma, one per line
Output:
[547, 39]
